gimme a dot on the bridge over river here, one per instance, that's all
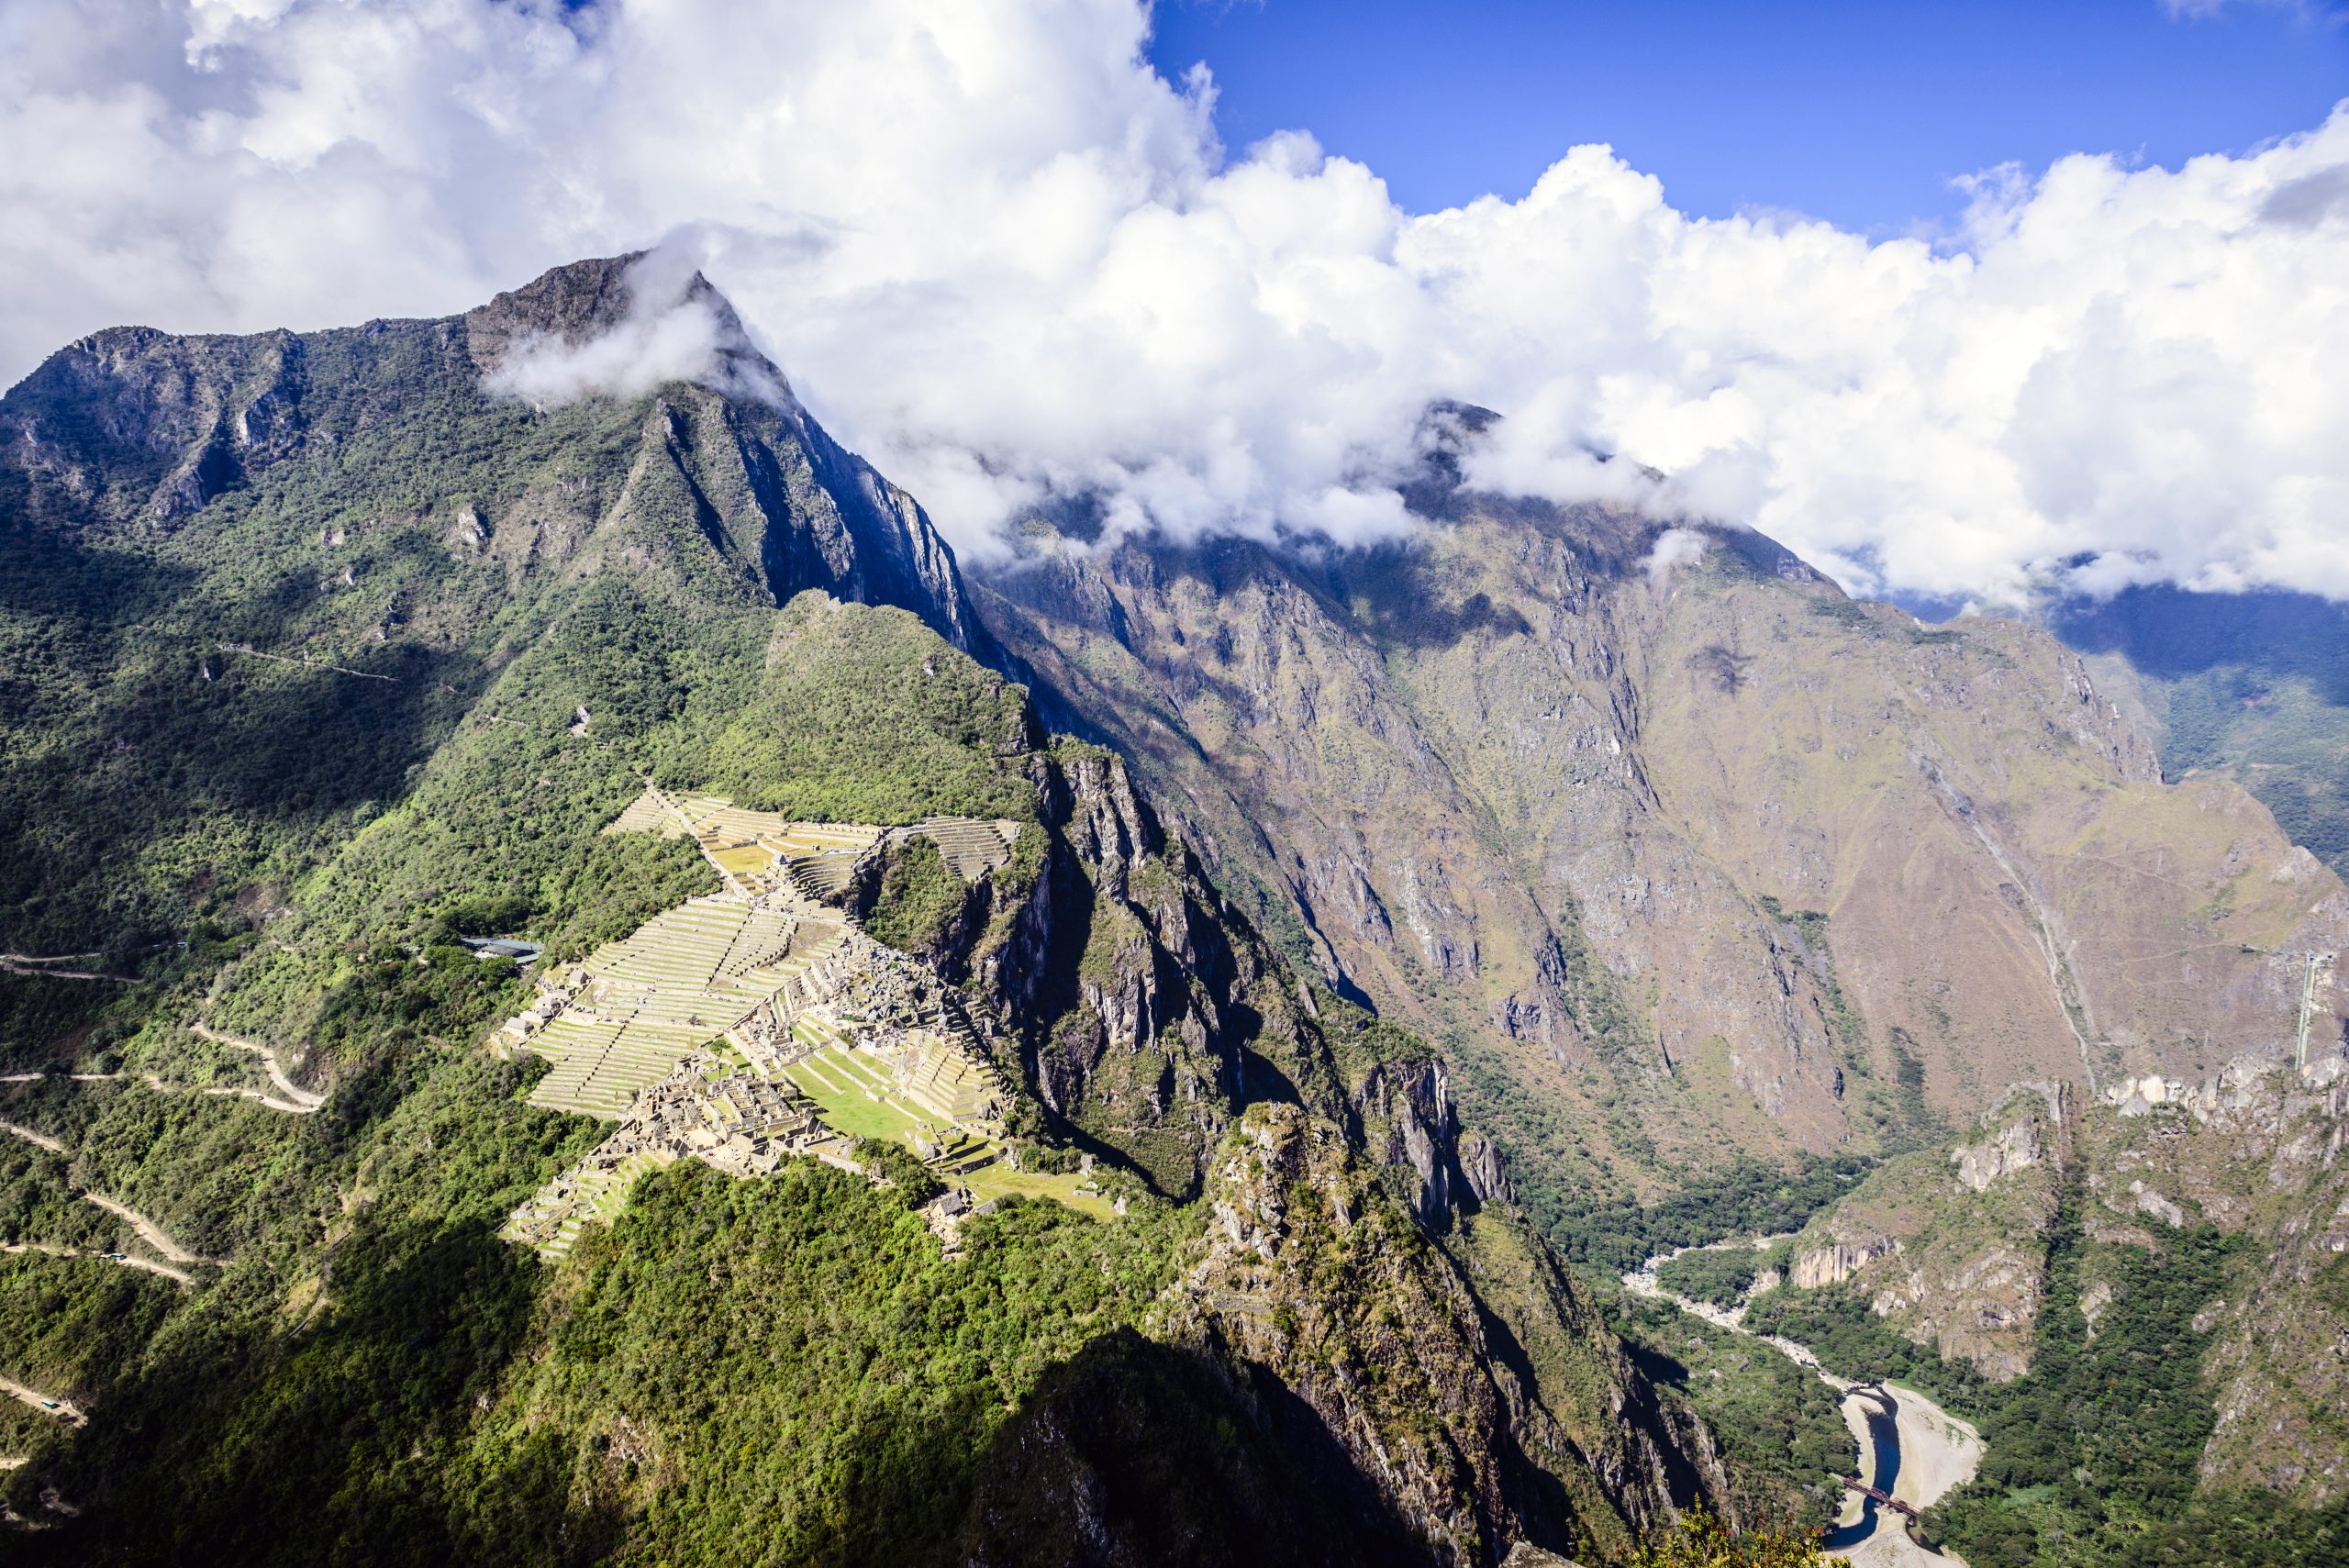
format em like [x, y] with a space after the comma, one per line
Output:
[1911, 1452]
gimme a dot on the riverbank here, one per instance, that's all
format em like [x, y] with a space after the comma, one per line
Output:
[1939, 1452]
[1932, 1453]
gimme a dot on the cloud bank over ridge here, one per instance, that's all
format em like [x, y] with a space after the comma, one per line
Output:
[1004, 259]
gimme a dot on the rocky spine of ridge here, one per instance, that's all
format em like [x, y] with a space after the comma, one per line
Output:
[1457, 1403]
[132, 428]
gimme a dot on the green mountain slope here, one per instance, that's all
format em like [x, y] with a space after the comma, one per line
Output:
[330, 659]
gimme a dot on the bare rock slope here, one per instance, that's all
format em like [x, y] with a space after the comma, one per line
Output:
[1708, 856]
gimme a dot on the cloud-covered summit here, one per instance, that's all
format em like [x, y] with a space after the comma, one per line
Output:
[1007, 260]
[617, 327]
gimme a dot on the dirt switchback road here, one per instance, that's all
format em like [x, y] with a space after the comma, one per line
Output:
[46, 1403]
[297, 1099]
[149, 1231]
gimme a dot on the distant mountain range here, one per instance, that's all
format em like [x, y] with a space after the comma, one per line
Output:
[2254, 686]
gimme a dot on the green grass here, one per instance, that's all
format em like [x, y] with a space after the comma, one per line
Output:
[999, 1180]
[840, 1099]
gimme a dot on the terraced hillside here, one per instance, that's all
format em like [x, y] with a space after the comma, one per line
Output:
[838, 1040]
[632, 1009]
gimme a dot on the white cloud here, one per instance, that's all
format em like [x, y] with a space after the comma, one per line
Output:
[1003, 258]
[668, 332]
[658, 342]
[1674, 549]
[2203, 10]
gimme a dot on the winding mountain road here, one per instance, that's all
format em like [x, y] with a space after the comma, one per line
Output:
[147, 1265]
[29, 1136]
[46, 1403]
[149, 1231]
[156, 1082]
[26, 964]
[297, 1099]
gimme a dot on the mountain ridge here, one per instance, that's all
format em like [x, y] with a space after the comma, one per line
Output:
[1400, 747]
[347, 660]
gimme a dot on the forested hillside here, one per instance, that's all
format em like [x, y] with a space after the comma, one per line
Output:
[324, 660]
[2138, 1301]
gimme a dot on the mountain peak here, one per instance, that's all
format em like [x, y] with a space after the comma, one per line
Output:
[569, 307]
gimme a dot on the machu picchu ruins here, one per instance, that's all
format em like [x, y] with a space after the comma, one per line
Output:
[759, 1023]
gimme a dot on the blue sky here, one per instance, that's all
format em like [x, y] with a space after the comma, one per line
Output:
[1857, 112]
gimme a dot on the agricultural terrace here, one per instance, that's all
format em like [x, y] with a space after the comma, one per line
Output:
[760, 851]
[625, 1015]
[773, 997]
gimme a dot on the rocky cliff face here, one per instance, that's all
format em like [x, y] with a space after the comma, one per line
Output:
[1953, 1247]
[1706, 851]
[1950, 1246]
[1476, 1389]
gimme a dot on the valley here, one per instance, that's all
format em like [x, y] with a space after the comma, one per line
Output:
[1910, 1449]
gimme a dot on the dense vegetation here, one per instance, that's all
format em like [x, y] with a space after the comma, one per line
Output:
[1836, 1322]
[916, 898]
[1777, 1420]
[1753, 1199]
[1700, 1540]
[855, 720]
[1720, 1275]
[2092, 1454]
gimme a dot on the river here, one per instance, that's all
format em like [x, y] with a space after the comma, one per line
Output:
[1907, 1447]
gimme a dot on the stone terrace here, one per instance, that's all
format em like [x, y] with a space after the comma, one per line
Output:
[756, 1024]
[632, 1009]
